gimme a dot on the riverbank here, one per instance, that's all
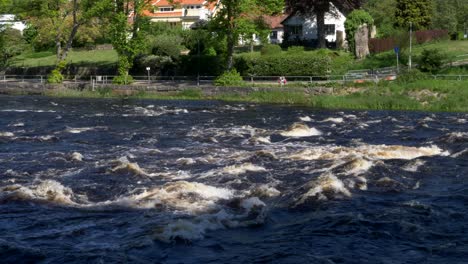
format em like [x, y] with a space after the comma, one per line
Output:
[422, 95]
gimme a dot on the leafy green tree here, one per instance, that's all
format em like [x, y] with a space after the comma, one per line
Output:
[383, 13]
[417, 12]
[61, 20]
[11, 44]
[125, 37]
[319, 8]
[238, 18]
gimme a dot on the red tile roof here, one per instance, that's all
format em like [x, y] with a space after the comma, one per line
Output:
[166, 3]
[275, 21]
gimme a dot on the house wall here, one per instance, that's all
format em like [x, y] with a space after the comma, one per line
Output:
[9, 20]
[280, 36]
[186, 15]
[309, 26]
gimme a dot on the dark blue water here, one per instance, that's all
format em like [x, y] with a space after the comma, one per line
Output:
[110, 181]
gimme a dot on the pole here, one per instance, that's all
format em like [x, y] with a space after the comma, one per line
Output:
[398, 62]
[198, 61]
[410, 45]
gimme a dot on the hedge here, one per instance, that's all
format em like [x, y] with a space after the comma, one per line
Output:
[302, 64]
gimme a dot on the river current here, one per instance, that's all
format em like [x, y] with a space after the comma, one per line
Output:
[112, 181]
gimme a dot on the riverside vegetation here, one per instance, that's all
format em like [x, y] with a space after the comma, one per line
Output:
[412, 91]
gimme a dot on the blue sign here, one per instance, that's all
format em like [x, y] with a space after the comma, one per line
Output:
[397, 50]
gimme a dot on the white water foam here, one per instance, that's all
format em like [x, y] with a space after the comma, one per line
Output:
[300, 130]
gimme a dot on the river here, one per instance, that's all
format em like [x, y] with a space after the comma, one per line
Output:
[112, 181]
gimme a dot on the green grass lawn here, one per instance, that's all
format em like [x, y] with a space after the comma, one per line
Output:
[47, 58]
[453, 49]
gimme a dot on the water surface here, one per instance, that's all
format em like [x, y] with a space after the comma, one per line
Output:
[110, 181]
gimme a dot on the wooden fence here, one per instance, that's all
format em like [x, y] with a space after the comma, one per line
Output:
[422, 36]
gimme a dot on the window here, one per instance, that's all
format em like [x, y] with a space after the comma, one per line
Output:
[329, 29]
[274, 35]
[166, 9]
[295, 30]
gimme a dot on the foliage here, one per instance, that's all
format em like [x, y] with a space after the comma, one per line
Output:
[165, 45]
[383, 13]
[431, 60]
[60, 20]
[125, 37]
[270, 49]
[229, 78]
[204, 65]
[290, 64]
[354, 20]
[419, 12]
[410, 76]
[11, 44]
[56, 76]
[122, 79]
[160, 65]
[241, 18]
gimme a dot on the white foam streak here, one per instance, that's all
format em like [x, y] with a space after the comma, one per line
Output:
[243, 168]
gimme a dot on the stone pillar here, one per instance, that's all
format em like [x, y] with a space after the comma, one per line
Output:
[339, 39]
[361, 39]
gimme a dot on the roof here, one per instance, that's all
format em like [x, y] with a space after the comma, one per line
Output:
[166, 3]
[275, 21]
[163, 14]
[180, 2]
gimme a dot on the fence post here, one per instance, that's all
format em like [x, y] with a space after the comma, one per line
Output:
[459, 77]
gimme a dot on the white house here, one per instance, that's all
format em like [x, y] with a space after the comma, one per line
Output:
[10, 21]
[277, 29]
[181, 12]
[302, 28]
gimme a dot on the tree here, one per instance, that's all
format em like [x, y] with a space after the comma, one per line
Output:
[319, 8]
[125, 37]
[62, 19]
[417, 12]
[238, 18]
[383, 13]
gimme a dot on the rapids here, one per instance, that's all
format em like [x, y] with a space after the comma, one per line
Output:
[112, 181]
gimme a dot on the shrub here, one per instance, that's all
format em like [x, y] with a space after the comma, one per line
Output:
[123, 79]
[229, 78]
[56, 75]
[411, 76]
[295, 49]
[300, 64]
[431, 60]
[270, 49]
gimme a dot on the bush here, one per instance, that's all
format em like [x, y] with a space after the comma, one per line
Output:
[299, 64]
[122, 79]
[270, 49]
[411, 76]
[431, 60]
[203, 65]
[229, 78]
[56, 76]
[295, 49]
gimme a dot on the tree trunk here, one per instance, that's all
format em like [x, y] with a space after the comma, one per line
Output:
[230, 37]
[58, 47]
[230, 50]
[321, 29]
[64, 53]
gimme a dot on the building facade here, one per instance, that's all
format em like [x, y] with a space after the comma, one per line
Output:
[10, 21]
[181, 12]
[300, 28]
